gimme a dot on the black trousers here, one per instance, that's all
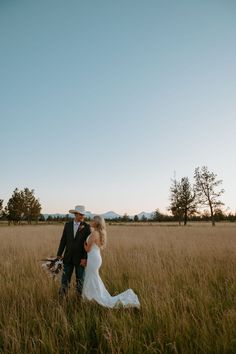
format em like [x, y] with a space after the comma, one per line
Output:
[66, 277]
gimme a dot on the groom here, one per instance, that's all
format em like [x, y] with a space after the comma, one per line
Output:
[75, 257]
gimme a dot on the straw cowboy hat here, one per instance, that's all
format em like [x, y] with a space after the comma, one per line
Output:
[79, 209]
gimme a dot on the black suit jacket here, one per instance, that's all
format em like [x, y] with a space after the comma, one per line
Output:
[73, 246]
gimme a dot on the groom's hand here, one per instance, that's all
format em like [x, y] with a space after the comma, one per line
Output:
[83, 262]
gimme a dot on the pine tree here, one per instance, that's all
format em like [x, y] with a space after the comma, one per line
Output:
[187, 199]
[14, 208]
[183, 199]
[23, 206]
[175, 200]
[125, 218]
[158, 216]
[31, 205]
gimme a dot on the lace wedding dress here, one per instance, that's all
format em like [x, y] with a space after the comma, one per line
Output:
[94, 289]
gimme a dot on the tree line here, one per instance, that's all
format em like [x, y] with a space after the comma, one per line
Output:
[187, 202]
[157, 216]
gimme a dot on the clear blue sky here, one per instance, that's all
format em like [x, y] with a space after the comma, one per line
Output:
[101, 101]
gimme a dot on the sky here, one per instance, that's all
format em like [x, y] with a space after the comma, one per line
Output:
[103, 101]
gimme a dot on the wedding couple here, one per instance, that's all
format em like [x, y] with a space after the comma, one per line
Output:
[82, 245]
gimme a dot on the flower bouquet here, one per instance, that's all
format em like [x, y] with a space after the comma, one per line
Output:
[52, 266]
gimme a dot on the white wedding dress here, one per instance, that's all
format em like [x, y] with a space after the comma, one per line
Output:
[94, 289]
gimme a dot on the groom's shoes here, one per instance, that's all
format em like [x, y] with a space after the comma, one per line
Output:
[63, 292]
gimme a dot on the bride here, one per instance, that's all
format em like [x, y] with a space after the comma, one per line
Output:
[93, 287]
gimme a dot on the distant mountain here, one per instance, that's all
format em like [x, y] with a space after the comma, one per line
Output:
[88, 214]
[108, 215]
[56, 215]
[146, 215]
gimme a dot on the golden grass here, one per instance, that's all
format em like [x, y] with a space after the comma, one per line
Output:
[185, 279]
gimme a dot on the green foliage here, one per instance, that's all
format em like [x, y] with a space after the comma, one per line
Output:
[158, 216]
[175, 205]
[14, 207]
[125, 218]
[31, 205]
[219, 215]
[23, 206]
[187, 199]
[42, 217]
[183, 199]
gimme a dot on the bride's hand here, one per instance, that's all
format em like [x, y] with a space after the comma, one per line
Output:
[83, 262]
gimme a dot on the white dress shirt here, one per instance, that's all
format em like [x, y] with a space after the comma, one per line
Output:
[76, 226]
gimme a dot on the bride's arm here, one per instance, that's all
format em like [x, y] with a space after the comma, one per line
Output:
[92, 239]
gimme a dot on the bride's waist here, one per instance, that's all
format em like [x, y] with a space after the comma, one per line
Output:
[94, 250]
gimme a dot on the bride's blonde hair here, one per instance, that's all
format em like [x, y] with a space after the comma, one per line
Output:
[101, 228]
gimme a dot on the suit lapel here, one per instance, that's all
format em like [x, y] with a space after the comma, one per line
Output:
[72, 229]
[79, 229]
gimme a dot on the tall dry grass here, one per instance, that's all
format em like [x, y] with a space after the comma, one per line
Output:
[185, 279]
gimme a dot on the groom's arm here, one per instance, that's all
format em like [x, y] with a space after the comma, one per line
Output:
[62, 243]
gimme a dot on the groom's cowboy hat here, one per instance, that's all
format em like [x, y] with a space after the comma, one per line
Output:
[79, 209]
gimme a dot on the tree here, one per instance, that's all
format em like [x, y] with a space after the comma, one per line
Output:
[231, 217]
[136, 219]
[49, 218]
[31, 206]
[23, 206]
[219, 215]
[187, 199]
[125, 218]
[206, 190]
[143, 218]
[158, 216]
[14, 208]
[42, 217]
[175, 200]
[183, 199]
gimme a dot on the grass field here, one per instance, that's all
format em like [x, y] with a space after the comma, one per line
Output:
[185, 278]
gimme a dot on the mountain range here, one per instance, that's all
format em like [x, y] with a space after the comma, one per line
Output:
[107, 215]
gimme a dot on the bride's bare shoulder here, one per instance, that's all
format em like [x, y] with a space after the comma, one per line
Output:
[96, 238]
[95, 234]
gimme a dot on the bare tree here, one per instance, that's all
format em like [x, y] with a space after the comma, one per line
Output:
[206, 190]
